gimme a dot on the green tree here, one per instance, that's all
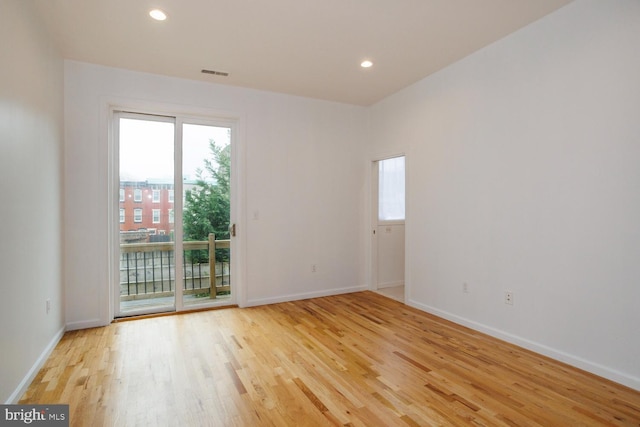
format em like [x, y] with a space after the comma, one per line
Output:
[207, 205]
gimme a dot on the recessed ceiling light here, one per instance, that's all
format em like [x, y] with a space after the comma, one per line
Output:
[158, 15]
[366, 64]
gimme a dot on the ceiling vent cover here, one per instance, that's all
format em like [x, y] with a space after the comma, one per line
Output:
[216, 73]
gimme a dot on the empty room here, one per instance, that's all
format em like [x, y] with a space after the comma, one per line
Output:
[362, 213]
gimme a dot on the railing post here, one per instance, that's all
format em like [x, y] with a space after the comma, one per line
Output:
[212, 265]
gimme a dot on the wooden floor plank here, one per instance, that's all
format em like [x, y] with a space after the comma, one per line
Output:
[353, 360]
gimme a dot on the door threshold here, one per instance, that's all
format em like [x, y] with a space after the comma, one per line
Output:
[170, 313]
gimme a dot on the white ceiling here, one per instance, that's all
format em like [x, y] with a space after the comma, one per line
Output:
[309, 48]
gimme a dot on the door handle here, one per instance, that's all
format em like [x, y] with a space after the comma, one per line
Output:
[232, 230]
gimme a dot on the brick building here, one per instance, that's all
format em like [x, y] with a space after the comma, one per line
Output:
[146, 206]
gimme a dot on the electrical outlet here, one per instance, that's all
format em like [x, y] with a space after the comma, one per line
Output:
[465, 287]
[508, 297]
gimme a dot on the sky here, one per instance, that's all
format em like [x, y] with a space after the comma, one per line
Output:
[146, 149]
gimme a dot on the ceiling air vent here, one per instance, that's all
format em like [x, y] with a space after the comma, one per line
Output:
[216, 73]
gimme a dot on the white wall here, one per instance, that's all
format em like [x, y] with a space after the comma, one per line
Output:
[305, 179]
[31, 191]
[523, 174]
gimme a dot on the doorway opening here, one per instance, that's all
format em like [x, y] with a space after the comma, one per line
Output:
[388, 234]
[175, 202]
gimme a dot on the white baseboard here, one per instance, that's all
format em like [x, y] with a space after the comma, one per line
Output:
[31, 374]
[575, 361]
[390, 285]
[86, 324]
[307, 295]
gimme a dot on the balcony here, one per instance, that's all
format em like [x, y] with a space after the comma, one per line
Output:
[147, 273]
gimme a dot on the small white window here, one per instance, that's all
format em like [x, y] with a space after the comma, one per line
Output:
[391, 189]
[121, 215]
[152, 231]
[170, 196]
[137, 215]
[171, 217]
[156, 216]
[137, 195]
[122, 194]
[156, 196]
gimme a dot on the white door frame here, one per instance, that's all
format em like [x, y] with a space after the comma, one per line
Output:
[374, 222]
[182, 115]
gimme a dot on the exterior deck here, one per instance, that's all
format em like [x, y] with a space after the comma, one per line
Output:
[148, 278]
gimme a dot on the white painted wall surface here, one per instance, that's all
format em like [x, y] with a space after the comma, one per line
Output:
[31, 125]
[526, 177]
[305, 181]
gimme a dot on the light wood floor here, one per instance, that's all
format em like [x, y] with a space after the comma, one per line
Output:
[357, 360]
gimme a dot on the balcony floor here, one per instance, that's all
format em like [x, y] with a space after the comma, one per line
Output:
[154, 304]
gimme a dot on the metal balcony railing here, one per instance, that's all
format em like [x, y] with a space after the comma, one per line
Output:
[147, 270]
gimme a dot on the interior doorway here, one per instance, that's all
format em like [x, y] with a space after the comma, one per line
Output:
[388, 234]
[174, 223]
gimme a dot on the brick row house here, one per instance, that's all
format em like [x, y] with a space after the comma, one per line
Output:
[146, 206]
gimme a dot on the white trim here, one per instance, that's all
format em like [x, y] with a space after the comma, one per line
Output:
[390, 285]
[39, 363]
[178, 206]
[388, 156]
[238, 211]
[575, 361]
[407, 227]
[135, 215]
[382, 222]
[86, 324]
[373, 225]
[306, 295]
[109, 128]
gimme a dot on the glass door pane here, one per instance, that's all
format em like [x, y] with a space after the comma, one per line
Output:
[206, 173]
[146, 168]
[391, 189]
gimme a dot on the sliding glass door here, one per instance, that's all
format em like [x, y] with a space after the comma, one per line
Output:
[206, 180]
[147, 267]
[174, 247]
